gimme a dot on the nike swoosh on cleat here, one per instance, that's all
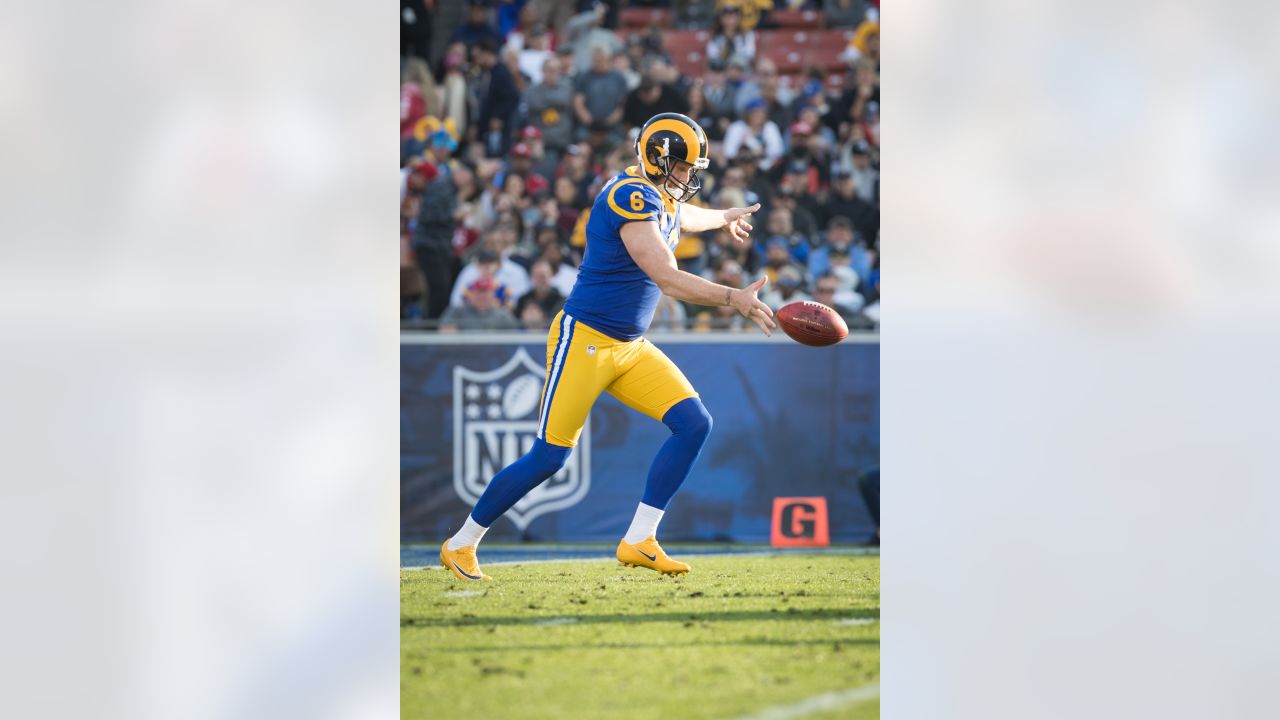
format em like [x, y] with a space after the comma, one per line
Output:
[464, 572]
[653, 557]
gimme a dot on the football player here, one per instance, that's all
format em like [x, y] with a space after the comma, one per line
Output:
[597, 344]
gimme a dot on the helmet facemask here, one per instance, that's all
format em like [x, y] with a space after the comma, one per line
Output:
[677, 190]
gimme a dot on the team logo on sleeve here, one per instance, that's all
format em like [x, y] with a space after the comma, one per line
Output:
[495, 421]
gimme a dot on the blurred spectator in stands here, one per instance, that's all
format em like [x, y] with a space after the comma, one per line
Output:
[536, 53]
[415, 27]
[577, 167]
[777, 256]
[651, 98]
[805, 145]
[433, 236]
[764, 83]
[755, 13]
[550, 108]
[866, 90]
[728, 38]
[723, 248]
[418, 95]
[584, 34]
[670, 315]
[477, 27]
[779, 225]
[598, 98]
[844, 13]
[533, 318]
[622, 65]
[481, 309]
[759, 185]
[563, 273]
[722, 317]
[855, 158]
[786, 289]
[824, 291]
[456, 96]
[541, 293]
[717, 98]
[844, 201]
[799, 182]
[491, 261]
[851, 262]
[510, 57]
[757, 133]
[498, 96]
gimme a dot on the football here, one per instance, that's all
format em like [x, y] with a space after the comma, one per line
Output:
[812, 323]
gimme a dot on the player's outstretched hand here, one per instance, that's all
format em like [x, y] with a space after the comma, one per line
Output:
[746, 302]
[735, 220]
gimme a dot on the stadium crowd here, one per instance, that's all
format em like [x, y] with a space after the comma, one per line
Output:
[509, 128]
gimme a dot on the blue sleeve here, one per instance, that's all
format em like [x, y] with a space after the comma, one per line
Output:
[631, 202]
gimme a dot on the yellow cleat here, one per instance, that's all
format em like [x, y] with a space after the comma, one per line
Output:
[648, 553]
[462, 562]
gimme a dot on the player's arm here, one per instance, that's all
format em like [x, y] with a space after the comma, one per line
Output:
[647, 249]
[696, 219]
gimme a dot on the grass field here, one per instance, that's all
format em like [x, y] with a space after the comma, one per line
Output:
[598, 640]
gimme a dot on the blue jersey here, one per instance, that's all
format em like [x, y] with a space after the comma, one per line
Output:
[612, 294]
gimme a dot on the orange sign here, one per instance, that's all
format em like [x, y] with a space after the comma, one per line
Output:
[799, 522]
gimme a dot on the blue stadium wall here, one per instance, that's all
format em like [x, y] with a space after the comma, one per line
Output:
[789, 421]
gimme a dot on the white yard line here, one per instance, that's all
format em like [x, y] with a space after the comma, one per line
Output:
[817, 703]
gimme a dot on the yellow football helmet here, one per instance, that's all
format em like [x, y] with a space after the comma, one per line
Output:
[666, 141]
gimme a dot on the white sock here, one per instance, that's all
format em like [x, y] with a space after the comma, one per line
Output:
[470, 534]
[644, 524]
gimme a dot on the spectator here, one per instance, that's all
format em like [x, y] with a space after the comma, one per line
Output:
[584, 35]
[757, 133]
[456, 96]
[856, 160]
[415, 28]
[418, 95]
[717, 94]
[563, 275]
[491, 261]
[724, 248]
[621, 64]
[728, 39]
[845, 201]
[670, 315]
[754, 12]
[844, 13]
[765, 85]
[777, 257]
[480, 310]
[477, 28]
[542, 293]
[779, 226]
[533, 318]
[536, 53]
[652, 98]
[433, 236]
[569, 204]
[550, 107]
[598, 99]
[797, 192]
[839, 245]
[497, 94]
[825, 289]
[723, 317]
[789, 288]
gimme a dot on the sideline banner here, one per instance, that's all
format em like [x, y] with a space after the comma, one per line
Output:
[789, 420]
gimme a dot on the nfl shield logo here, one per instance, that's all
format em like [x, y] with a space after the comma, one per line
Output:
[495, 420]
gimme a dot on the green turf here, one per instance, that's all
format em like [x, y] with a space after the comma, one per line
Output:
[597, 640]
